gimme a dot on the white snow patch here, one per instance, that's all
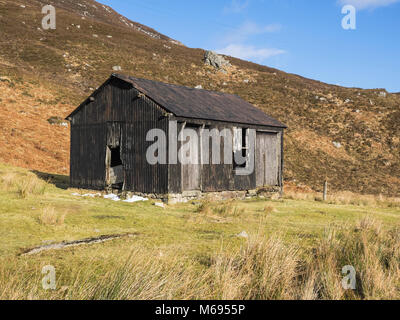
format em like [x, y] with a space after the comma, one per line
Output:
[87, 195]
[160, 204]
[135, 199]
[112, 197]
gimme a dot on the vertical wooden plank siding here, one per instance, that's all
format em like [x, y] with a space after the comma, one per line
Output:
[118, 115]
[268, 159]
[191, 171]
[117, 106]
[217, 177]
[175, 169]
[88, 156]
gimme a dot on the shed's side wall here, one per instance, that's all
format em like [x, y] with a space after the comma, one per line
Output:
[117, 102]
[214, 177]
[175, 169]
[222, 177]
[269, 163]
[217, 177]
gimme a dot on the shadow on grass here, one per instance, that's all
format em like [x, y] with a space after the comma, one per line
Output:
[60, 181]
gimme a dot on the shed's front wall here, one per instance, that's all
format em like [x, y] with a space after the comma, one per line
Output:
[117, 105]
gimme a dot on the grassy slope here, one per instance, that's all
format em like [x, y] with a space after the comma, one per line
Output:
[52, 71]
[87, 217]
[180, 237]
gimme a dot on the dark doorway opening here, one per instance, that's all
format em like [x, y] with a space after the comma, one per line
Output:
[116, 157]
[116, 176]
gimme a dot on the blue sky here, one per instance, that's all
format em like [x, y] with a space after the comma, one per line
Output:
[304, 37]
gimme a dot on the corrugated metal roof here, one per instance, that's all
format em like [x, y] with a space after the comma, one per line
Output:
[201, 104]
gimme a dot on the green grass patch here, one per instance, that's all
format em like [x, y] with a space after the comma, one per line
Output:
[182, 242]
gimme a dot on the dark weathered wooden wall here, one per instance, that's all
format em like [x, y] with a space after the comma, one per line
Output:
[87, 168]
[117, 102]
[217, 177]
[117, 115]
[222, 177]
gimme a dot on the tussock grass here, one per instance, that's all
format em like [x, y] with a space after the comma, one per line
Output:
[268, 209]
[346, 198]
[371, 250]
[24, 184]
[49, 216]
[263, 268]
[295, 250]
[222, 209]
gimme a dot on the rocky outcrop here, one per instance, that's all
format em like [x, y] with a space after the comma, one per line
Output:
[58, 121]
[215, 60]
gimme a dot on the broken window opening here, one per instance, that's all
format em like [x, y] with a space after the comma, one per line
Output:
[241, 147]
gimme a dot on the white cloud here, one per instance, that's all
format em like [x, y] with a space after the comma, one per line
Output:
[249, 29]
[236, 6]
[367, 4]
[248, 52]
[237, 43]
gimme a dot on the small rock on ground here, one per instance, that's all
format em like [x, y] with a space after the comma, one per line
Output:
[243, 234]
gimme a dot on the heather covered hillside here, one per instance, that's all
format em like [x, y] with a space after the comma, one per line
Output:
[349, 136]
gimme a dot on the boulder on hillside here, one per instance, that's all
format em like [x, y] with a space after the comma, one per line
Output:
[58, 121]
[215, 60]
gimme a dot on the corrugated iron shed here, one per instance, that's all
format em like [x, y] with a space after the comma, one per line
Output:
[200, 104]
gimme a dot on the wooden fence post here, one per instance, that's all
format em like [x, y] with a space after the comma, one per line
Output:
[325, 196]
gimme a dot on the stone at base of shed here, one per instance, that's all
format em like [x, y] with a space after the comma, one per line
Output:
[186, 196]
[270, 192]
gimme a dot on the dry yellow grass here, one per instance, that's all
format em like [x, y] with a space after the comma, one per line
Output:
[222, 209]
[26, 138]
[343, 197]
[23, 184]
[49, 216]
[264, 268]
[269, 209]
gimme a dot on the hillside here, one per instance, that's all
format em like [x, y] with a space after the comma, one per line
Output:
[347, 135]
